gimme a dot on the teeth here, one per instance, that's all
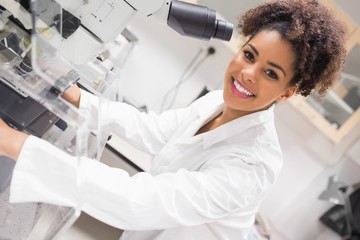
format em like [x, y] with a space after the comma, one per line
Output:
[242, 90]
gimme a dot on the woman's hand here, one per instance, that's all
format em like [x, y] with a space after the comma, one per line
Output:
[11, 141]
[72, 95]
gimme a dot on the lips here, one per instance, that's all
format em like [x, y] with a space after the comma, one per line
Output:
[240, 91]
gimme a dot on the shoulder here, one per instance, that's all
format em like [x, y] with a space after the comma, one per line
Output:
[208, 102]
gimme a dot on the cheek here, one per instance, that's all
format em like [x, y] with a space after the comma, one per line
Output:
[270, 90]
[235, 65]
[237, 59]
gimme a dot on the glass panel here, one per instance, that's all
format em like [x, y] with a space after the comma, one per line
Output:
[30, 102]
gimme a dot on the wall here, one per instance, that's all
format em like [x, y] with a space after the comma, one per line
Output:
[155, 66]
[305, 175]
[159, 59]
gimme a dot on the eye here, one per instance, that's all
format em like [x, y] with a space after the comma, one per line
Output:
[249, 56]
[271, 74]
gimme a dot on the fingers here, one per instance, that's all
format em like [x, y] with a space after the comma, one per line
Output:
[72, 95]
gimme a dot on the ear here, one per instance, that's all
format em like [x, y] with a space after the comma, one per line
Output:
[286, 94]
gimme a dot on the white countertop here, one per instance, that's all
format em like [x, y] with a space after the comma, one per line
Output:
[139, 158]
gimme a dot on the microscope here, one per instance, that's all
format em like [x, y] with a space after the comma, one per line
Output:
[77, 31]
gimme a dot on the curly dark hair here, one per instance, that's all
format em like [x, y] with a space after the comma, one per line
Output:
[317, 37]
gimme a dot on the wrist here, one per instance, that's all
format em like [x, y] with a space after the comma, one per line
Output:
[15, 143]
[72, 95]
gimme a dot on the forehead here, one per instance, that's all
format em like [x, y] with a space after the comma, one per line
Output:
[272, 47]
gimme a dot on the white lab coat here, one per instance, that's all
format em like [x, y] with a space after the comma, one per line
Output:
[202, 187]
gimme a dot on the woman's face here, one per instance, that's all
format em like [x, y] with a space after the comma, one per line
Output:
[259, 74]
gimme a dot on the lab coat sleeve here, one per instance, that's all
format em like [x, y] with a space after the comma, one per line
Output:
[44, 173]
[146, 131]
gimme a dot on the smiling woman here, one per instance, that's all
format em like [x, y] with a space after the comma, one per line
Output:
[316, 36]
[215, 160]
[259, 76]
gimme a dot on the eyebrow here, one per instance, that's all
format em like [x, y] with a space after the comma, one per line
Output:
[270, 63]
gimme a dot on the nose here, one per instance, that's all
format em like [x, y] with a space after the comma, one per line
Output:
[249, 73]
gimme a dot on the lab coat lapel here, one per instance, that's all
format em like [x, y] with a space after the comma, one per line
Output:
[237, 126]
[204, 115]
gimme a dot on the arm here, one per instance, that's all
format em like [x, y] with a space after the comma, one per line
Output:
[11, 141]
[142, 202]
[147, 132]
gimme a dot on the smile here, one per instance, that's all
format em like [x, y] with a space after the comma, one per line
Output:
[240, 91]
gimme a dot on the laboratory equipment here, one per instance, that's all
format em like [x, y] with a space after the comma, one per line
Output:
[40, 46]
[343, 217]
[87, 22]
[336, 194]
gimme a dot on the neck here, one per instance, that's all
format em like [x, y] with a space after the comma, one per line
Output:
[225, 116]
[229, 114]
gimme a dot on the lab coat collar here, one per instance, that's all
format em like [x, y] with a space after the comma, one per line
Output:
[235, 126]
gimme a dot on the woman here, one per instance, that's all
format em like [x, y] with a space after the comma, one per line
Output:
[214, 160]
